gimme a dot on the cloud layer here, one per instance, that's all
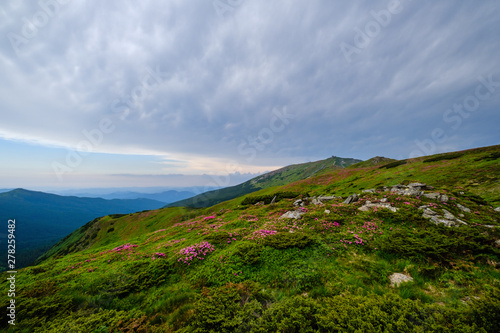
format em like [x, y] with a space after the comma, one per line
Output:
[258, 83]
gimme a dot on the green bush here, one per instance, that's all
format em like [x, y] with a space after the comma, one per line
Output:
[248, 252]
[269, 197]
[440, 244]
[392, 164]
[443, 157]
[284, 240]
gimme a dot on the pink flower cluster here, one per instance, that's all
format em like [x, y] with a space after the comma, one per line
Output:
[208, 217]
[262, 233]
[172, 242]
[196, 251]
[158, 255]
[124, 247]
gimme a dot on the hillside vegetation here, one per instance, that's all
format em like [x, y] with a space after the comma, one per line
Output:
[42, 219]
[417, 249]
[278, 177]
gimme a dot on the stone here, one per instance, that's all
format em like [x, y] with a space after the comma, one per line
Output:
[419, 185]
[297, 202]
[398, 278]
[443, 198]
[371, 190]
[327, 197]
[448, 215]
[274, 200]
[497, 243]
[463, 208]
[368, 206]
[429, 211]
[327, 211]
[316, 201]
[497, 209]
[351, 199]
[432, 195]
[383, 200]
[292, 214]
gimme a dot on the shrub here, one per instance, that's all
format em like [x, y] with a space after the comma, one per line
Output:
[440, 244]
[269, 197]
[393, 164]
[248, 252]
[444, 157]
[286, 240]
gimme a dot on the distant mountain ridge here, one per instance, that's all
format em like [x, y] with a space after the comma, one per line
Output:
[278, 177]
[165, 196]
[43, 218]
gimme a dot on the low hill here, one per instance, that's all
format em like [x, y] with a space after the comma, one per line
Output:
[42, 218]
[278, 177]
[416, 250]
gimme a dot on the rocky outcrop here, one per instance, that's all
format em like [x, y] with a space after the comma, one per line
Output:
[437, 196]
[497, 209]
[369, 206]
[398, 278]
[412, 189]
[447, 218]
[292, 214]
[351, 199]
[463, 208]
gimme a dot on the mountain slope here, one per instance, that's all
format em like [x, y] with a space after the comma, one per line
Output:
[42, 218]
[278, 177]
[244, 267]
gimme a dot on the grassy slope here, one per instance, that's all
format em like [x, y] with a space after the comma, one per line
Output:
[291, 280]
[278, 177]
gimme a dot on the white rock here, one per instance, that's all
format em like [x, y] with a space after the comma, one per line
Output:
[398, 278]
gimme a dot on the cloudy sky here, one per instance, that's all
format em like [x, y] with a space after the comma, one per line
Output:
[159, 93]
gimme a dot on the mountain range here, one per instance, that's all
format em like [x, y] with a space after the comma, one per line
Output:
[278, 177]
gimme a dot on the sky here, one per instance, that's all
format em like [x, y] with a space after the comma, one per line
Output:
[211, 93]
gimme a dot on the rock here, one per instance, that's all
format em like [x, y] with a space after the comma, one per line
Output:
[316, 201]
[429, 211]
[297, 202]
[423, 207]
[432, 195]
[274, 200]
[327, 211]
[408, 190]
[443, 198]
[368, 206]
[371, 190]
[292, 214]
[448, 215]
[351, 199]
[497, 243]
[461, 215]
[398, 278]
[419, 185]
[327, 197]
[497, 209]
[463, 208]
[383, 200]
